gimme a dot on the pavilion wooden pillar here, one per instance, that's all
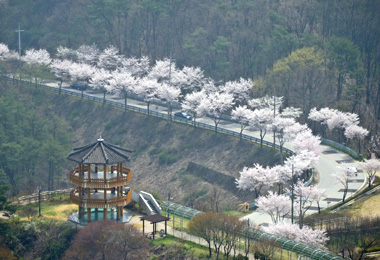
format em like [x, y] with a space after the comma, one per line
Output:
[105, 193]
[119, 189]
[89, 193]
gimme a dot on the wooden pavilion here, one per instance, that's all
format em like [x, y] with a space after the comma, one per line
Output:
[154, 219]
[100, 178]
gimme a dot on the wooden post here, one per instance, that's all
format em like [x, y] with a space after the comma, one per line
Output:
[143, 227]
[105, 193]
[89, 214]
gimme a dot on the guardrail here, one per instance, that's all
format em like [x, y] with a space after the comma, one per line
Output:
[341, 147]
[45, 195]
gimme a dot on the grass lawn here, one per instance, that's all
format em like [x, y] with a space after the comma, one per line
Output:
[199, 251]
[58, 208]
[369, 207]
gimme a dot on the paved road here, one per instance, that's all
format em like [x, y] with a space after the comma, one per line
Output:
[329, 160]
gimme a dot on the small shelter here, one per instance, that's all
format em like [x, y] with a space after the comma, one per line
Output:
[154, 219]
[100, 178]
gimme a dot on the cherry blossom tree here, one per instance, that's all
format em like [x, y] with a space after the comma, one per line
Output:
[99, 80]
[123, 83]
[243, 115]
[136, 67]
[238, 89]
[276, 206]
[298, 164]
[65, 53]
[6, 54]
[356, 132]
[291, 112]
[169, 94]
[321, 116]
[88, 54]
[167, 72]
[343, 176]
[307, 196]
[37, 57]
[273, 103]
[314, 238]
[81, 72]
[306, 141]
[60, 68]
[192, 101]
[261, 119]
[291, 131]
[147, 88]
[109, 58]
[37, 62]
[215, 105]
[255, 178]
[283, 174]
[278, 126]
[370, 166]
[193, 79]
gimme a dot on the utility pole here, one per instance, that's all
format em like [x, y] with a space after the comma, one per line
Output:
[170, 81]
[19, 41]
[292, 193]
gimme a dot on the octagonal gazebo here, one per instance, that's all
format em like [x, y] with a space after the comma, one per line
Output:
[100, 178]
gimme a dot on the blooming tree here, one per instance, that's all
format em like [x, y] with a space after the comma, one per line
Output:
[99, 80]
[37, 57]
[167, 72]
[273, 103]
[88, 54]
[255, 178]
[315, 238]
[306, 141]
[61, 68]
[192, 101]
[261, 119]
[277, 206]
[307, 196]
[238, 89]
[147, 88]
[123, 83]
[279, 125]
[215, 105]
[81, 72]
[343, 176]
[109, 58]
[37, 62]
[169, 94]
[6, 54]
[356, 132]
[136, 67]
[283, 174]
[370, 166]
[291, 112]
[193, 79]
[65, 53]
[243, 115]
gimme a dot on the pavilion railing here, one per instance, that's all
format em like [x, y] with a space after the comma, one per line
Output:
[100, 183]
[100, 203]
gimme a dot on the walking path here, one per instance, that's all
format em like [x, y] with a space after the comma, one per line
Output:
[330, 158]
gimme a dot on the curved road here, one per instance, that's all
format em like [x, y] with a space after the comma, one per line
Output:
[330, 158]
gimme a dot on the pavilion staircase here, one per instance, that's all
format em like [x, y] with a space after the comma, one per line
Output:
[147, 202]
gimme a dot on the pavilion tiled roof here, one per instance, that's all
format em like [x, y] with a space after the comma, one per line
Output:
[99, 153]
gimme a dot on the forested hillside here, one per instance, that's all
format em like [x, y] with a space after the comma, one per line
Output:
[39, 128]
[301, 49]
